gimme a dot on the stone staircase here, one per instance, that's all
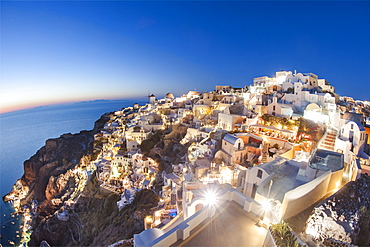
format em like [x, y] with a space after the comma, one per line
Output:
[328, 141]
[265, 152]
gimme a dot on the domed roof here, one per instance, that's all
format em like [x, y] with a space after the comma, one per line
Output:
[170, 96]
[313, 106]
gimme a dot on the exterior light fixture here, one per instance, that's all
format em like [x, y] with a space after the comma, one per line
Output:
[337, 186]
[210, 198]
[266, 206]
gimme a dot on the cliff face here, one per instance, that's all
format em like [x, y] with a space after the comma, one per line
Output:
[165, 147]
[95, 220]
[57, 157]
[71, 210]
[344, 217]
[51, 163]
[54, 174]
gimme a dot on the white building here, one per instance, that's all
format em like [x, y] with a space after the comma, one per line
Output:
[232, 150]
[137, 133]
[351, 141]
[292, 185]
[279, 109]
[233, 116]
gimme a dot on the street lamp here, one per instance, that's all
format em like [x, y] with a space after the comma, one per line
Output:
[210, 198]
[266, 208]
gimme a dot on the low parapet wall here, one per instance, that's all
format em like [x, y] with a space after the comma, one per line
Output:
[183, 229]
[297, 200]
[269, 240]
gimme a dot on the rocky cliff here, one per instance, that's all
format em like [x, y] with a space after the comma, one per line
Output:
[165, 148]
[95, 220]
[343, 218]
[54, 174]
[70, 209]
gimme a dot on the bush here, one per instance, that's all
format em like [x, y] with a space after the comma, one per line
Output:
[282, 235]
[274, 120]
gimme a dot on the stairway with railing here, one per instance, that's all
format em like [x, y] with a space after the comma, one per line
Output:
[328, 141]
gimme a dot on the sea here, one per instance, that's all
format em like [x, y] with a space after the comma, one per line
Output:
[23, 132]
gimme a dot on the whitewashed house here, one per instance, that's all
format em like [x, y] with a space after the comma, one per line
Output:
[279, 109]
[233, 116]
[137, 133]
[351, 141]
[232, 150]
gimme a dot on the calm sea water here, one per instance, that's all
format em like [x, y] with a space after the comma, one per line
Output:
[23, 132]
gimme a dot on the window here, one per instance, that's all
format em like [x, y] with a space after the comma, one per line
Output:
[273, 108]
[259, 173]
[351, 126]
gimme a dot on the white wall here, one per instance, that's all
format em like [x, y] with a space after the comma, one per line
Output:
[225, 121]
[251, 178]
[357, 133]
[182, 230]
[269, 240]
[345, 147]
[295, 201]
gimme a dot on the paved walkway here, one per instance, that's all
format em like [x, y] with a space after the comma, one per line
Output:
[231, 227]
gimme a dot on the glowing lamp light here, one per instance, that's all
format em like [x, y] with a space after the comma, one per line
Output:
[148, 219]
[266, 206]
[210, 198]
[337, 186]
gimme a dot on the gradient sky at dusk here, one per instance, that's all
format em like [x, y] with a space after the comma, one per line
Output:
[55, 51]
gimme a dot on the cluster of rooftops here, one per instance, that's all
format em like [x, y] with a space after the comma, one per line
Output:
[229, 142]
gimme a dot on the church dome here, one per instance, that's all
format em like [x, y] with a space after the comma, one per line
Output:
[169, 96]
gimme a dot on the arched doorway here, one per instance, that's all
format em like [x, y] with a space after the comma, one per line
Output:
[198, 207]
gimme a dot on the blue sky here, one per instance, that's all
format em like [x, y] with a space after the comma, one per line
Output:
[55, 51]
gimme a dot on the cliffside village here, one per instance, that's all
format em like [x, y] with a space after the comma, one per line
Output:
[286, 141]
